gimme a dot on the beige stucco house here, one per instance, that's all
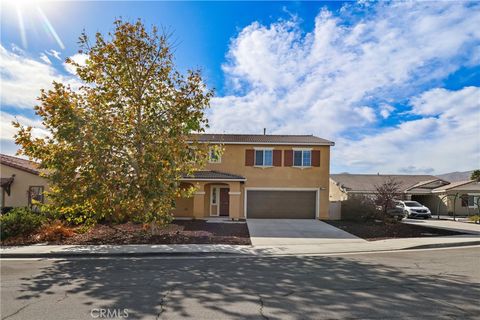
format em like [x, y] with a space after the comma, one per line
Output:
[20, 182]
[429, 190]
[261, 176]
[461, 198]
[257, 176]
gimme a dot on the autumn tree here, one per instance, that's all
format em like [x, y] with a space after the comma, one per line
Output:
[118, 146]
[386, 193]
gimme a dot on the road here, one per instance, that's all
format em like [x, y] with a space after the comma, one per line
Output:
[426, 284]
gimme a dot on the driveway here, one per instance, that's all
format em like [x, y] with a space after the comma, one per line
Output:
[465, 227]
[274, 232]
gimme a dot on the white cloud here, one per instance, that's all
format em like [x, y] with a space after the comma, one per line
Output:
[320, 82]
[54, 53]
[7, 131]
[23, 77]
[44, 58]
[447, 139]
[386, 110]
[79, 58]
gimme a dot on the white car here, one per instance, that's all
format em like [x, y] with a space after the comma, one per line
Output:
[413, 209]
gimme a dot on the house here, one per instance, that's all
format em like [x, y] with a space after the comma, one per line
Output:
[440, 196]
[461, 198]
[412, 187]
[261, 176]
[257, 176]
[20, 182]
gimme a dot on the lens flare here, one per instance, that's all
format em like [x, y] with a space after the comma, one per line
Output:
[21, 26]
[49, 28]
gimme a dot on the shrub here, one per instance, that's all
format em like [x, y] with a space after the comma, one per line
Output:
[55, 231]
[475, 218]
[20, 221]
[359, 208]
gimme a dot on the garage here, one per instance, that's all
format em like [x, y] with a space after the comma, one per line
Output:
[281, 204]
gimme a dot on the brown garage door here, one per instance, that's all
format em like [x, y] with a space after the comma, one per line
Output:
[262, 204]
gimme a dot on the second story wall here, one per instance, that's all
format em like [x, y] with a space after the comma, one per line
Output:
[236, 159]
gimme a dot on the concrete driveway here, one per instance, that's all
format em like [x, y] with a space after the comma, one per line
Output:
[274, 232]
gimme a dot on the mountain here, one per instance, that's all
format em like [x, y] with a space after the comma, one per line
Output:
[455, 176]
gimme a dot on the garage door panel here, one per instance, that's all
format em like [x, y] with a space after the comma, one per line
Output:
[269, 204]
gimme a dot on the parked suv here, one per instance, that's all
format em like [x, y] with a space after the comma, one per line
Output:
[413, 209]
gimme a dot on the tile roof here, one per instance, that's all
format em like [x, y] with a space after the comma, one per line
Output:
[19, 163]
[261, 139]
[213, 175]
[455, 185]
[367, 182]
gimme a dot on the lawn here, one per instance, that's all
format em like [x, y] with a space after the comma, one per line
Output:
[178, 232]
[372, 230]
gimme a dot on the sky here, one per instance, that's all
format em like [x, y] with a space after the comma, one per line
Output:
[396, 85]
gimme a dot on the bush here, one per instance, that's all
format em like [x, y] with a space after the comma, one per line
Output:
[475, 218]
[20, 221]
[55, 231]
[359, 208]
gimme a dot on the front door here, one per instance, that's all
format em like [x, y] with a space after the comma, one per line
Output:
[224, 201]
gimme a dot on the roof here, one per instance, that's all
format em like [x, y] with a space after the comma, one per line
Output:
[213, 175]
[261, 139]
[367, 182]
[19, 163]
[454, 185]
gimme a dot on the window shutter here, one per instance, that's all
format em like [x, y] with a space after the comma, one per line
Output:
[249, 157]
[277, 158]
[464, 199]
[288, 158]
[316, 158]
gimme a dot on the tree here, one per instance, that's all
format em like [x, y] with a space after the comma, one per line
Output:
[475, 175]
[386, 193]
[118, 146]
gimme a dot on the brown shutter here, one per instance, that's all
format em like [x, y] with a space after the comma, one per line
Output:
[316, 158]
[288, 158]
[277, 158]
[249, 157]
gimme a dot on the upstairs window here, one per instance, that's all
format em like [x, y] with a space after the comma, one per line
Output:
[263, 157]
[302, 158]
[214, 155]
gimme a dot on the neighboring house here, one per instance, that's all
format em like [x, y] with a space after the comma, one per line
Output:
[261, 176]
[462, 197]
[20, 182]
[412, 187]
[429, 190]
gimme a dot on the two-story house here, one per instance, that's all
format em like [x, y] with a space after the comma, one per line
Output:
[261, 176]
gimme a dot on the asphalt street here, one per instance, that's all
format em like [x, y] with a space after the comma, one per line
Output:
[424, 284]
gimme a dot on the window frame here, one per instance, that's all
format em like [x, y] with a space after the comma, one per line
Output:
[302, 151]
[263, 165]
[32, 206]
[473, 195]
[210, 159]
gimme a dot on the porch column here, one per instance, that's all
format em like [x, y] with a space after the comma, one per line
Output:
[235, 200]
[199, 200]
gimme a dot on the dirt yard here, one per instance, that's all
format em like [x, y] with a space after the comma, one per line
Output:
[178, 232]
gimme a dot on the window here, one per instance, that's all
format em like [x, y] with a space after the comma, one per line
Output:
[302, 158]
[214, 155]
[35, 194]
[263, 157]
[214, 196]
[473, 201]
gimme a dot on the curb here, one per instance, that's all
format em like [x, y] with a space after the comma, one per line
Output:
[54, 255]
[59, 255]
[444, 245]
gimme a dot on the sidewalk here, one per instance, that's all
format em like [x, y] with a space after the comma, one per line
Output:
[470, 228]
[46, 251]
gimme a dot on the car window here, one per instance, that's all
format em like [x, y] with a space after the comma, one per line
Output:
[412, 204]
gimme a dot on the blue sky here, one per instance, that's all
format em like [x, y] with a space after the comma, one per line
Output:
[395, 85]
